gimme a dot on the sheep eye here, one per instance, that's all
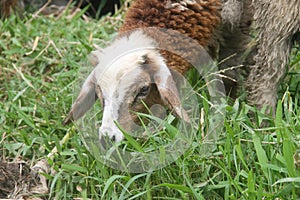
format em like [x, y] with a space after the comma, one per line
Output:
[143, 91]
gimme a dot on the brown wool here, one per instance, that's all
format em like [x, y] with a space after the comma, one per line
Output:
[198, 21]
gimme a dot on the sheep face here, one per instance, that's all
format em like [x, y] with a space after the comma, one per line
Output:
[131, 84]
[127, 91]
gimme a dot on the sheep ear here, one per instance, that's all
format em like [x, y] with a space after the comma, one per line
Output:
[84, 101]
[169, 93]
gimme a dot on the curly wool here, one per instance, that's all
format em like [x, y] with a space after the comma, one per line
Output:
[197, 20]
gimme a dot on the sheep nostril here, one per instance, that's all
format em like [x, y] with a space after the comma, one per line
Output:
[113, 138]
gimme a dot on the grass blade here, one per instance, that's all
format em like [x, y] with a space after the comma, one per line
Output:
[109, 183]
[261, 154]
[288, 149]
[251, 185]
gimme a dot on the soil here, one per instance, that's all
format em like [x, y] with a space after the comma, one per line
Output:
[16, 180]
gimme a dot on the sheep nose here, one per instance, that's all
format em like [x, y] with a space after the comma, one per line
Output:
[106, 140]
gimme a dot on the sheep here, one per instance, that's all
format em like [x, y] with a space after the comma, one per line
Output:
[221, 27]
[149, 71]
[278, 28]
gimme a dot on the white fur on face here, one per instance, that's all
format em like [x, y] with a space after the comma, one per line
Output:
[117, 71]
[114, 96]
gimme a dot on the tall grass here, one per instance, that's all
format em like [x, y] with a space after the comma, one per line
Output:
[39, 64]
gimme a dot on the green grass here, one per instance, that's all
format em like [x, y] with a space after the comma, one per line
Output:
[39, 63]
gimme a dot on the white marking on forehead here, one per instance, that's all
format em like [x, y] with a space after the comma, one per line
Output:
[122, 56]
[123, 65]
[137, 41]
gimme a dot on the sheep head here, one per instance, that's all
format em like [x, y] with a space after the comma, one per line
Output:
[124, 85]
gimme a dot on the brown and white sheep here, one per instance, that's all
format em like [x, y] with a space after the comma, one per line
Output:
[124, 77]
[222, 27]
